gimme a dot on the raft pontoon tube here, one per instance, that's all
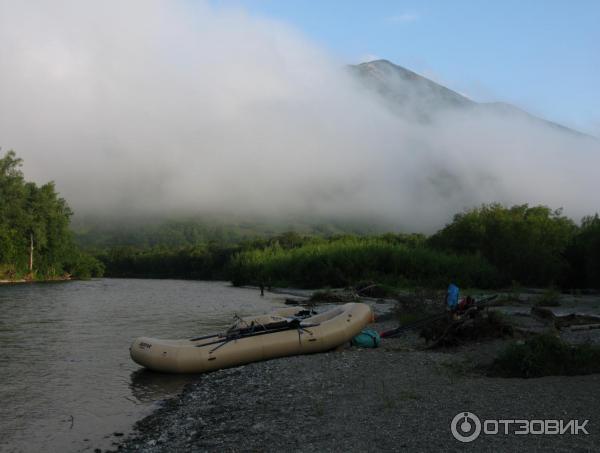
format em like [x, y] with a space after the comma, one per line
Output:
[253, 339]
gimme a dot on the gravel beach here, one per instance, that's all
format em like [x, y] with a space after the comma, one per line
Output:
[396, 397]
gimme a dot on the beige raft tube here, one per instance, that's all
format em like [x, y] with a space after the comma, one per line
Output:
[318, 333]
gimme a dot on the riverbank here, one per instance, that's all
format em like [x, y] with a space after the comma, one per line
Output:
[11, 282]
[398, 396]
[35, 280]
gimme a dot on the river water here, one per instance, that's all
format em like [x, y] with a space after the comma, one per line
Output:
[67, 382]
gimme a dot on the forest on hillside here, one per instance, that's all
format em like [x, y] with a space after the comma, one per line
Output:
[36, 242]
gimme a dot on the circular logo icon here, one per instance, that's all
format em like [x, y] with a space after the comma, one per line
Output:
[465, 427]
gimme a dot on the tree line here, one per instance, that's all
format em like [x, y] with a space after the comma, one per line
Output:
[490, 246]
[35, 240]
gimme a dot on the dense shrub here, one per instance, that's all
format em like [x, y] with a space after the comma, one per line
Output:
[583, 254]
[549, 298]
[546, 355]
[351, 259]
[84, 266]
[201, 262]
[526, 244]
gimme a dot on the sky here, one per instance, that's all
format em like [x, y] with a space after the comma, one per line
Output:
[542, 55]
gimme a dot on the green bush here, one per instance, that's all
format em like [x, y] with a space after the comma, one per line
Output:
[549, 298]
[350, 259]
[583, 254]
[546, 355]
[526, 244]
[84, 266]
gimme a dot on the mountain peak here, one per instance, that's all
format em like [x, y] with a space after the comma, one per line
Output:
[403, 88]
[410, 94]
[390, 68]
[379, 62]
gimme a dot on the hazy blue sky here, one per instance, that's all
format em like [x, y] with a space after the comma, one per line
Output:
[541, 55]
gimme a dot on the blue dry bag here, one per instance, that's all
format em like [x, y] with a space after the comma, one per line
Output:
[367, 338]
[452, 296]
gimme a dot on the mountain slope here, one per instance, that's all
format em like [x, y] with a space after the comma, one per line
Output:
[401, 85]
[412, 95]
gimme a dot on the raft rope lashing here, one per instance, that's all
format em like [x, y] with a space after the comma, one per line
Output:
[252, 333]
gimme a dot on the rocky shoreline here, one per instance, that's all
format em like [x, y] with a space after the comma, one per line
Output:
[396, 397]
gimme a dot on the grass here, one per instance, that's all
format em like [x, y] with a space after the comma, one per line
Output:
[546, 355]
[8, 272]
[319, 408]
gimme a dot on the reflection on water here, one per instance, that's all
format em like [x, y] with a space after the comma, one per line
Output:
[150, 386]
[67, 382]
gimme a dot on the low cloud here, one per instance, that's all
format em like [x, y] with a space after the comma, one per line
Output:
[180, 107]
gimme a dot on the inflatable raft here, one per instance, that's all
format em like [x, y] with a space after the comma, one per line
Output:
[290, 331]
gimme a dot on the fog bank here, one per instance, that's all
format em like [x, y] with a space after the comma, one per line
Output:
[152, 106]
